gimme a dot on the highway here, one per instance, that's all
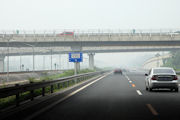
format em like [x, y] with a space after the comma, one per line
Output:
[116, 97]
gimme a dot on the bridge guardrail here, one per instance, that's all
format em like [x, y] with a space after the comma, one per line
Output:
[85, 31]
[89, 34]
[18, 89]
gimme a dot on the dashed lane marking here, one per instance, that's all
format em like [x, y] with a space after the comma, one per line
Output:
[153, 111]
[139, 92]
[126, 76]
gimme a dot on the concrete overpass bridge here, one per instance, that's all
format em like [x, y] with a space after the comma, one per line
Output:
[14, 43]
[80, 40]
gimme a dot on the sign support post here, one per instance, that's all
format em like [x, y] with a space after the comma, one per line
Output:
[76, 57]
[75, 68]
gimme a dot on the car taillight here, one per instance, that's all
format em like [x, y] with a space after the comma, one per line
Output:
[153, 77]
[175, 78]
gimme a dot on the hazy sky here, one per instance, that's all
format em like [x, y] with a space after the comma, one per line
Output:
[88, 14]
[91, 14]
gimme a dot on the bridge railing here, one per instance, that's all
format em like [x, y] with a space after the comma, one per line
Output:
[90, 35]
[18, 89]
[87, 31]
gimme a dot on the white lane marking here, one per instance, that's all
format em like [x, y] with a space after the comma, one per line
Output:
[126, 76]
[69, 95]
[130, 81]
[139, 92]
[153, 111]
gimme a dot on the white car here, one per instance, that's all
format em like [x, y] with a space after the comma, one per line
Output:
[162, 77]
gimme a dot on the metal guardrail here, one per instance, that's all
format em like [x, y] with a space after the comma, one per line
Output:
[18, 89]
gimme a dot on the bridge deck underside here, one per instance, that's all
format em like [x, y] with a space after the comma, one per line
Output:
[64, 50]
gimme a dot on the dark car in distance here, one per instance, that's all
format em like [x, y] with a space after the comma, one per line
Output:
[118, 71]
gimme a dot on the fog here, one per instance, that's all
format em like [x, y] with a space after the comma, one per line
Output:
[90, 14]
[125, 60]
[102, 60]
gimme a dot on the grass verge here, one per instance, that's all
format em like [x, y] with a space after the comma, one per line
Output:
[11, 100]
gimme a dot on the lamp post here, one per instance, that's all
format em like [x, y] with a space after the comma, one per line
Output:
[33, 60]
[67, 63]
[55, 65]
[43, 62]
[8, 60]
[8, 40]
[51, 59]
[32, 54]
[20, 63]
[157, 55]
[51, 52]
[59, 61]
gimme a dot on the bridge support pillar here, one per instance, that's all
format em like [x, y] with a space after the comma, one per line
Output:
[2, 57]
[91, 61]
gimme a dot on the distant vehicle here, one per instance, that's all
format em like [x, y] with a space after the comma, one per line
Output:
[162, 77]
[67, 33]
[118, 71]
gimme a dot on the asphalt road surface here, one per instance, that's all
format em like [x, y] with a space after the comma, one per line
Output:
[117, 97]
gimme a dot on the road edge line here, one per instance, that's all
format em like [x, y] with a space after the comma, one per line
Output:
[64, 98]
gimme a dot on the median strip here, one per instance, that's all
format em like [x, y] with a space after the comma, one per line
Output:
[153, 111]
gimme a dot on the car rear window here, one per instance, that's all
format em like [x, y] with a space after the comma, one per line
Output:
[163, 71]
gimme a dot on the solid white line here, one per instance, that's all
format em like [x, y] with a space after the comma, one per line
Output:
[69, 95]
[139, 92]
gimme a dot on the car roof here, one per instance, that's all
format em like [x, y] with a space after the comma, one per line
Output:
[174, 73]
[162, 68]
